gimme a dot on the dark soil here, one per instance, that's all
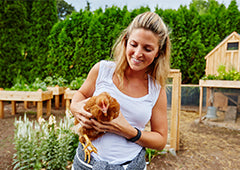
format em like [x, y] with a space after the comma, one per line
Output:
[207, 145]
[202, 146]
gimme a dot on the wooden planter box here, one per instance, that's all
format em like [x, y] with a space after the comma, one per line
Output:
[219, 83]
[57, 91]
[38, 96]
[68, 94]
[215, 84]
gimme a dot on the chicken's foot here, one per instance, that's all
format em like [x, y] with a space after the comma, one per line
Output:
[87, 151]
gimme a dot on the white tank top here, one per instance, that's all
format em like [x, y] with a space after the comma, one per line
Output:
[113, 148]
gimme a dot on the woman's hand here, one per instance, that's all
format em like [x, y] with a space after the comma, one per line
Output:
[119, 126]
[81, 114]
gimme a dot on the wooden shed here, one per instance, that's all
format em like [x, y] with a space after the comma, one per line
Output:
[225, 53]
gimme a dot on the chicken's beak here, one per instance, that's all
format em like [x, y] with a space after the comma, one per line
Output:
[105, 112]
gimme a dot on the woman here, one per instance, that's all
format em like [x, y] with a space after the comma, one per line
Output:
[137, 80]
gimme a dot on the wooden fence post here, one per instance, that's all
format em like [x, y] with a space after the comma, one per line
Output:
[175, 74]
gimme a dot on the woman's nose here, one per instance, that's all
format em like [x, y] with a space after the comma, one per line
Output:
[138, 52]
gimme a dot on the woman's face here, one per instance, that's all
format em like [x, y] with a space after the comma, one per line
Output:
[142, 48]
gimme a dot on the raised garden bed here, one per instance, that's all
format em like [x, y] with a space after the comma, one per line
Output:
[68, 94]
[36, 96]
[219, 83]
[57, 92]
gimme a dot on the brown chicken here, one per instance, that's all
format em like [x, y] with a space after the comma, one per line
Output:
[103, 108]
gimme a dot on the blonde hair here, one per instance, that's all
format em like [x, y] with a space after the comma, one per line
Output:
[160, 67]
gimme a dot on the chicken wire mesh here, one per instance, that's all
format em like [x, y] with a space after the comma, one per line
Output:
[190, 100]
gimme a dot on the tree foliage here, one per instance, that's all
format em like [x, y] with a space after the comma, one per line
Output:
[35, 44]
[43, 17]
[13, 28]
[64, 9]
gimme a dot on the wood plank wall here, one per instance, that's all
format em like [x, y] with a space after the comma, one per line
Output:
[221, 56]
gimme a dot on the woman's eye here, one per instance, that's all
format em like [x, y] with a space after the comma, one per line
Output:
[134, 45]
[148, 49]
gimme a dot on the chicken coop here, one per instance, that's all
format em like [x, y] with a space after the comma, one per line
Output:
[226, 53]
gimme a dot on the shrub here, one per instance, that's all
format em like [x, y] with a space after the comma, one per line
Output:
[53, 81]
[21, 85]
[77, 83]
[232, 74]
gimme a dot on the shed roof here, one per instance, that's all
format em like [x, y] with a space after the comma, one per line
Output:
[224, 41]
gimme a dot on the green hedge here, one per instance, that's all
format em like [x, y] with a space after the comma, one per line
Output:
[83, 39]
[69, 48]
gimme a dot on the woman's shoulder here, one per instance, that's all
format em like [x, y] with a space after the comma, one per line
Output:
[102, 64]
[105, 69]
[154, 89]
[107, 63]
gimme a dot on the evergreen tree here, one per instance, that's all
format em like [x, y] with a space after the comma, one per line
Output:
[71, 36]
[188, 50]
[28, 5]
[221, 21]
[30, 40]
[43, 17]
[179, 39]
[64, 9]
[200, 5]
[54, 52]
[233, 17]
[195, 61]
[126, 18]
[113, 23]
[13, 26]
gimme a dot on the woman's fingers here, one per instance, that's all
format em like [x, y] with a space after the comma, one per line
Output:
[82, 116]
[119, 126]
[100, 127]
[83, 111]
[86, 123]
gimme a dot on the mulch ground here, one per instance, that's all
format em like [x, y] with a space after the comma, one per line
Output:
[208, 145]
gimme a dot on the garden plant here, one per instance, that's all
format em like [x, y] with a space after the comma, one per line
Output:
[44, 144]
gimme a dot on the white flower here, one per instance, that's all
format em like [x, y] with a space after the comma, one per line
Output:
[69, 113]
[41, 120]
[52, 120]
[37, 126]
